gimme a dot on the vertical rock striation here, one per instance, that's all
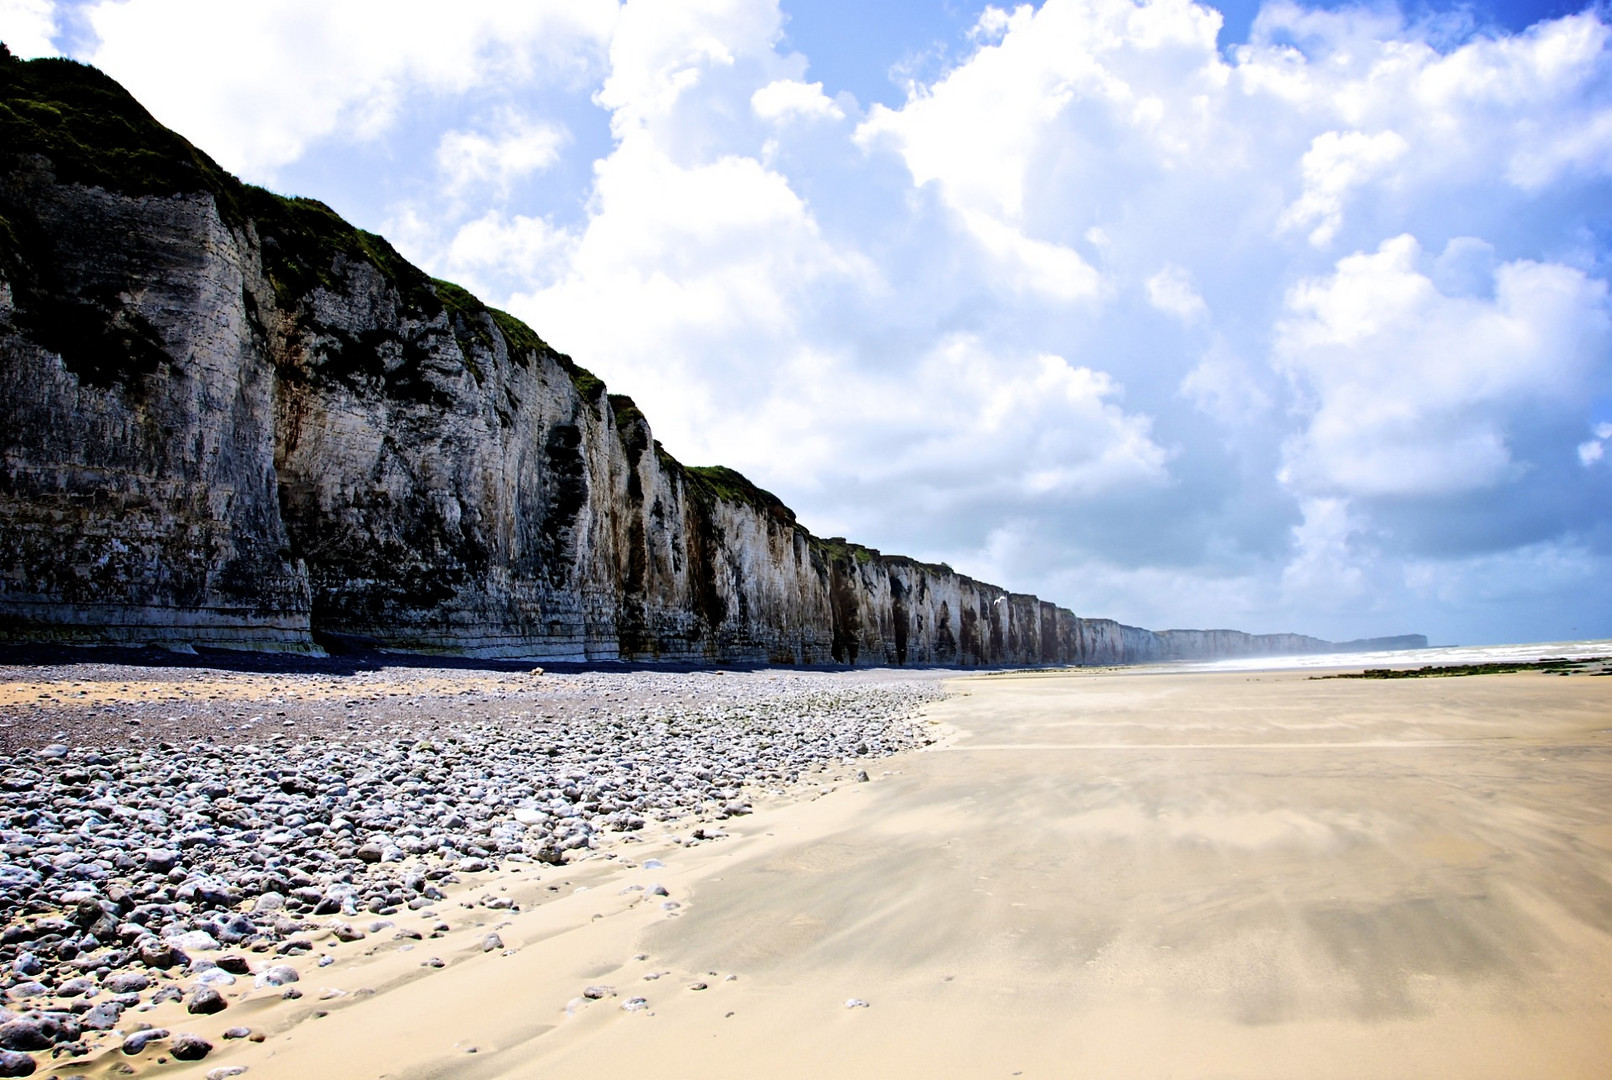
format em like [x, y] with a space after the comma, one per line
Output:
[233, 419]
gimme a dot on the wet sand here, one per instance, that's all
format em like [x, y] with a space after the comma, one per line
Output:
[1105, 875]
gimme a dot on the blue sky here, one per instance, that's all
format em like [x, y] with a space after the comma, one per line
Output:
[1283, 318]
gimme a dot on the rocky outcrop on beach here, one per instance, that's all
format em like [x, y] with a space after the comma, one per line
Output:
[232, 419]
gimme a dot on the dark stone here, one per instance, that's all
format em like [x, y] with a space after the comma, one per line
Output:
[139, 1040]
[188, 1047]
[126, 982]
[205, 1001]
[25, 1033]
[102, 1017]
[15, 1064]
[161, 954]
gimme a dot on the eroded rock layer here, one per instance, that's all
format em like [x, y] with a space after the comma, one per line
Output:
[232, 419]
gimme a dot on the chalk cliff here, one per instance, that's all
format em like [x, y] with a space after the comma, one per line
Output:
[230, 418]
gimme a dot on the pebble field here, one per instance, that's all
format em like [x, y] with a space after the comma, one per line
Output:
[179, 834]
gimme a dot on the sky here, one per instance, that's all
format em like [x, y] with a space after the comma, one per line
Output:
[1278, 317]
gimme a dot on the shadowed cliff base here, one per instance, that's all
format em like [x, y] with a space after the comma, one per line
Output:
[235, 421]
[352, 660]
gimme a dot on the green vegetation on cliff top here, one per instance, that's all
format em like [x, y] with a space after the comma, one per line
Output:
[94, 133]
[722, 483]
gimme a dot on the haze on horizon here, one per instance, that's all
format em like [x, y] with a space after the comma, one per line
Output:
[1294, 319]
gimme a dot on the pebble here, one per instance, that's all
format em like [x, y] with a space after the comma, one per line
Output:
[137, 1042]
[279, 975]
[126, 847]
[126, 982]
[205, 1001]
[633, 1004]
[194, 941]
[25, 1033]
[102, 1017]
[224, 1072]
[83, 986]
[855, 1003]
[188, 1047]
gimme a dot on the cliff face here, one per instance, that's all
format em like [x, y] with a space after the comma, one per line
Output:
[233, 419]
[138, 491]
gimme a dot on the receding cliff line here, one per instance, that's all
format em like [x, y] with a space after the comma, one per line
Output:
[233, 419]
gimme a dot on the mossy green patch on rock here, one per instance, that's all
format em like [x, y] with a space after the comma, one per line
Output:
[94, 133]
[304, 242]
[839, 549]
[725, 484]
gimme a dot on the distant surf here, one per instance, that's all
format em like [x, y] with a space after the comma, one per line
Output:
[1442, 654]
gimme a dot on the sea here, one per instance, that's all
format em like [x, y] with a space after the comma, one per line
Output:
[1437, 655]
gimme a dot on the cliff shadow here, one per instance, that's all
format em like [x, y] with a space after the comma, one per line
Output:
[348, 658]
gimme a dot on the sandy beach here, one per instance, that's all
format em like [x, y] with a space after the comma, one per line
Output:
[1122, 874]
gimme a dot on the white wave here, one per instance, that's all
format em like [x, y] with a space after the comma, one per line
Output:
[1412, 658]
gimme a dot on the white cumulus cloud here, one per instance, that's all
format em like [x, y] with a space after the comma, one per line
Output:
[788, 98]
[27, 27]
[517, 149]
[1171, 291]
[1335, 163]
[1408, 391]
[279, 76]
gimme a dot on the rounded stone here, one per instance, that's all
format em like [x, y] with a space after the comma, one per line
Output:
[206, 1001]
[14, 1064]
[188, 1047]
[139, 1040]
